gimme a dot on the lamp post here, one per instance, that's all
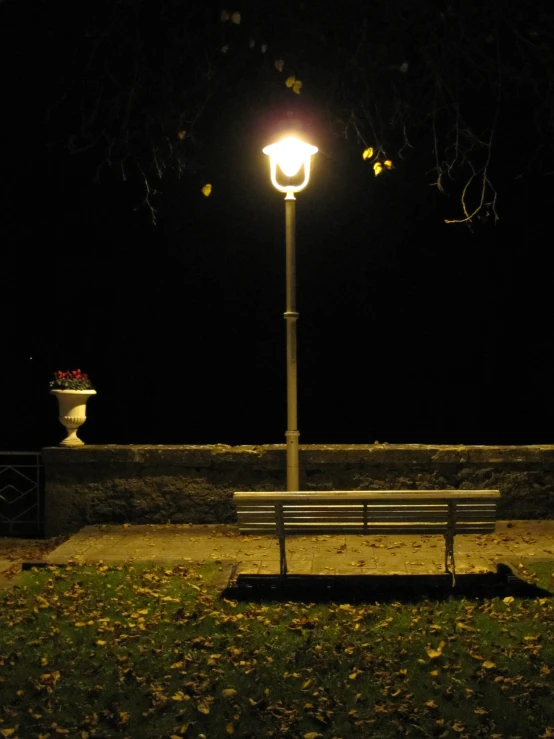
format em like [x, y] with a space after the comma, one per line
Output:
[289, 155]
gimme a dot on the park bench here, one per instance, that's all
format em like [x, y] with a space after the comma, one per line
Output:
[446, 512]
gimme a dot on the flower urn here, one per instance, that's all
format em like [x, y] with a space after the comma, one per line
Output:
[72, 406]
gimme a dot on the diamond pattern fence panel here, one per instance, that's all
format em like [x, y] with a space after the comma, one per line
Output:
[21, 494]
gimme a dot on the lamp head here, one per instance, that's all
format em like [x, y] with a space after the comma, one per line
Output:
[289, 154]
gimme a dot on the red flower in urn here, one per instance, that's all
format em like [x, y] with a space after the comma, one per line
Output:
[71, 380]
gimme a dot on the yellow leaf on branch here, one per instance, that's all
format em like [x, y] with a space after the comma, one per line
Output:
[289, 82]
[297, 87]
[206, 191]
[377, 168]
[367, 153]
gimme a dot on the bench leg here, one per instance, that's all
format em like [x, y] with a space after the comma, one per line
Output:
[281, 534]
[449, 561]
[282, 558]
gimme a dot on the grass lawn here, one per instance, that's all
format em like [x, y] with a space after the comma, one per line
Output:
[151, 652]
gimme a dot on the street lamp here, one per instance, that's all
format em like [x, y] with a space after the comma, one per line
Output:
[289, 155]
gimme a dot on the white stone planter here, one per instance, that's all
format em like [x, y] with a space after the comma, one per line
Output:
[72, 406]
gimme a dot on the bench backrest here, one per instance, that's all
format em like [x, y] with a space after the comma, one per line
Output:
[368, 512]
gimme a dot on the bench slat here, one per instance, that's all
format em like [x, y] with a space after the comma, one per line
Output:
[396, 527]
[356, 529]
[365, 495]
[374, 516]
[370, 507]
[380, 521]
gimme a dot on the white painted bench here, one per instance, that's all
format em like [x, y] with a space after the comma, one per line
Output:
[447, 512]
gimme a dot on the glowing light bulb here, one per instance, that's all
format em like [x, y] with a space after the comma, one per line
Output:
[290, 156]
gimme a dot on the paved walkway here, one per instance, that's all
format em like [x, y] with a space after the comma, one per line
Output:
[13, 552]
[512, 543]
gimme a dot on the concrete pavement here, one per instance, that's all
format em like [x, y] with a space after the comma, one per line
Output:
[512, 542]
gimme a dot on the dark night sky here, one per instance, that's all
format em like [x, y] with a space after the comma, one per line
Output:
[410, 331]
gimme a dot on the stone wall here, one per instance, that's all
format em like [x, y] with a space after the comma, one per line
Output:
[195, 484]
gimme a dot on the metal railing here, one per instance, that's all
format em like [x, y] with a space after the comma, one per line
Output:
[21, 494]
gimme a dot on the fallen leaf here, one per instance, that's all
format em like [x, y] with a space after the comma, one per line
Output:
[203, 706]
[434, 653]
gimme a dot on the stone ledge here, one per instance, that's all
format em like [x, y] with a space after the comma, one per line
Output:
[195, 484]
[272, 456]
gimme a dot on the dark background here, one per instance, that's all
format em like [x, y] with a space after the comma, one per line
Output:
[410, 330]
